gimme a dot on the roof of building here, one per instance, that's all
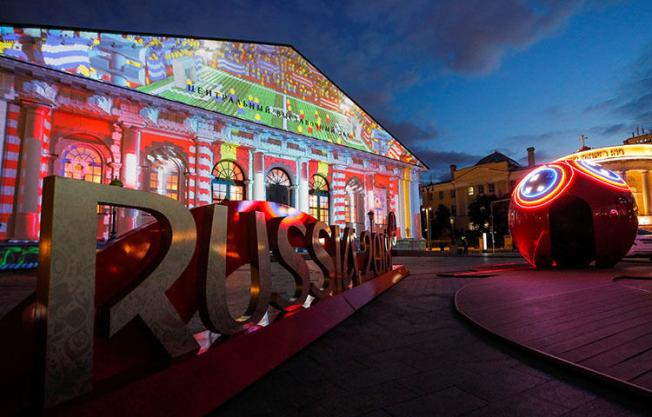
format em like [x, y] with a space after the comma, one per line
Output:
[498, 157]
[264, 83]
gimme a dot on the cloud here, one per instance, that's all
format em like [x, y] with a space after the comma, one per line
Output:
[440, 161]
[364, 44]
[632, 100]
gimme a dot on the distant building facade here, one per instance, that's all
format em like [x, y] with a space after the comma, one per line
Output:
[494, 175]
[633, 161]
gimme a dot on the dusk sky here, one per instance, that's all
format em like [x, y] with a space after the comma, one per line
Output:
[452, 79]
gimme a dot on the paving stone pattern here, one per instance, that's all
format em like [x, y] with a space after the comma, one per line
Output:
[408, 353]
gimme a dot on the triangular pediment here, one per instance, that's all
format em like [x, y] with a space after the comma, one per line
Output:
[268, 84]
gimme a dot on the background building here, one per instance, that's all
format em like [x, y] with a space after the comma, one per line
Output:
[199, 121]
[469, 194]
[633, 162]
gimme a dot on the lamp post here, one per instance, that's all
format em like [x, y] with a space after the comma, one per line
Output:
[427, 211]
[452, 222]
[370, 214]
[116, 183]
[429, 228]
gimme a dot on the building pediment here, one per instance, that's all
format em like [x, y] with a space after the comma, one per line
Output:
[271, 85]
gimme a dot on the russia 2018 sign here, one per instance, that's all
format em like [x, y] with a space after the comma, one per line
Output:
[106, 325]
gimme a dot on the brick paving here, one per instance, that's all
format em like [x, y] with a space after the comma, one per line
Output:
[408, 353]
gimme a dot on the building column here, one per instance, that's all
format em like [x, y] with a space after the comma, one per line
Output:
[338, 196]
[11, 152]
[416, 214]
[4, 121]
[116, 151]
[32, 169]
[203, 171]
[259, 176]
[408, 227]
[249, 183]
[130, 172]
[304, 187]
[645, 190]
[294, 190]
[400, 210]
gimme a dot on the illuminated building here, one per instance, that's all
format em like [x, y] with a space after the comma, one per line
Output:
[633, 162]
[199, 121]
[494, 175]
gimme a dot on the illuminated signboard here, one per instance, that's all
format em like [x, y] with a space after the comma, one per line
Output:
[272, 85]
[622, 152]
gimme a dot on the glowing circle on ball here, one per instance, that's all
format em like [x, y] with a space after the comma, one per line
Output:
[600, 173]
[541, 186]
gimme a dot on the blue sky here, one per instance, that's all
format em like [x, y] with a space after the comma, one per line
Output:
[453, 79]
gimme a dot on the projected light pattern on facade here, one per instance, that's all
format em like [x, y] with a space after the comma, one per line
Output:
[267, 84]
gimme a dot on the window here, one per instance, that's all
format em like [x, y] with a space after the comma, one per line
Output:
[319, 198]
[480, 189]
[228, 182]
[454, 210]
[279, 186]
[354, 207]
[512, 184]
[452, 193]
[492, 189]
[471, 190]
[82, 163]
[441, 195]
[164, 178]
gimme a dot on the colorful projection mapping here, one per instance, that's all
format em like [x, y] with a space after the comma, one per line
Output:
[268, 84]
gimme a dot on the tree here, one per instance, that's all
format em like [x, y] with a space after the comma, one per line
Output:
[441, 222]
[480, 211]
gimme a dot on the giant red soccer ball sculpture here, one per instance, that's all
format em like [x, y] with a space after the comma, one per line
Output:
[570, 213]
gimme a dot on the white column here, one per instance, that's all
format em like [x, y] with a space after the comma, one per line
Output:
[250, 175]
[3, 126]
[259, 176]
[401, 209]
[304, 187]
[416, 215]
[129, 219]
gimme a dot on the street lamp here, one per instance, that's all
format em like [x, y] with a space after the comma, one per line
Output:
[116, 183]
[427, 211]
[452, 221]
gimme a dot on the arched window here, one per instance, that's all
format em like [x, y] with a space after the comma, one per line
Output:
[164, 177]
[82, 163]
[354, 208]
[319, 198]
[279, 186]
[228, 182]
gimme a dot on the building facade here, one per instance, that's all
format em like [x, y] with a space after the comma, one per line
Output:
[494, 175]
[199, 121]
[633, 162]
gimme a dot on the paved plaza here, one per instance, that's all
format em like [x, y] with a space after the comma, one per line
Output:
[408, 353]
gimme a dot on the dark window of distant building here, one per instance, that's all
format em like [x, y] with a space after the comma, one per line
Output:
[512, 184]
[492, 188]
[452, 193]
[441, 195]
[480, 189]
[454, 210]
